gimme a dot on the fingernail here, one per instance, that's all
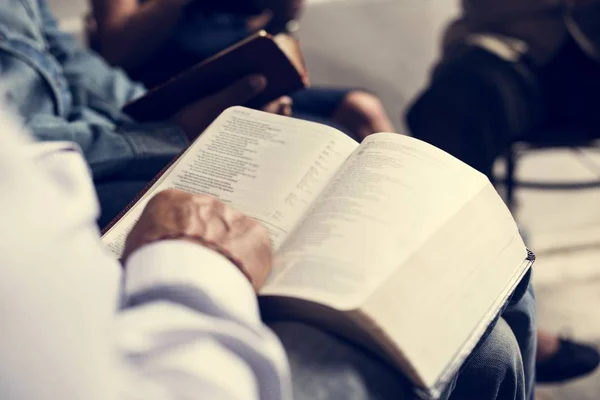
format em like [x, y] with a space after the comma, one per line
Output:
[258, 83]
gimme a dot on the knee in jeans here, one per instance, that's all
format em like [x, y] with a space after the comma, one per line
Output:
[499, 357]
[363, 114]
[364, 104]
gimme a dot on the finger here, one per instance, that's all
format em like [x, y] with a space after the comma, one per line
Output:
[251, 248]
[233, 217]
[273, 107]
[212, 215]
[286, 106]
[280, 106]
[286, 101]
[260, 261]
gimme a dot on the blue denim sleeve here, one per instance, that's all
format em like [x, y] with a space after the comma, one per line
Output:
[85, 69]
[115, 146]
[129, 151]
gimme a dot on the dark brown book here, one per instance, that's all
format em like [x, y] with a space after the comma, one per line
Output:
[277, 57]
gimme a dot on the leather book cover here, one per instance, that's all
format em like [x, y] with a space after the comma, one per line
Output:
[259, 54]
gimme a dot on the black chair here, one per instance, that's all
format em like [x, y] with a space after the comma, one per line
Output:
[577, 142]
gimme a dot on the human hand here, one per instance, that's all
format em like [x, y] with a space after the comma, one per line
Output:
[281, 106]
[196, 117]
[206, 221]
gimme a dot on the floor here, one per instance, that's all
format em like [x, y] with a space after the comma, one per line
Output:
[387, 46]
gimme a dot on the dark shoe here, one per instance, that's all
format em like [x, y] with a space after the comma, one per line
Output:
[573, 360]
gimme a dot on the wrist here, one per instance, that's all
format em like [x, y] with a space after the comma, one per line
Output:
[162, 271]
[200, 241]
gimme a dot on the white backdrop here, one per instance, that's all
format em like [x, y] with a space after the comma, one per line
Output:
[387, 46]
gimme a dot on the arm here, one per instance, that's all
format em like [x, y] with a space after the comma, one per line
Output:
[109, 139]
[190, 326]
[126, 150]
[112, 142]
[121, 148]
[214, 336]
[131, 32]
[84, 70]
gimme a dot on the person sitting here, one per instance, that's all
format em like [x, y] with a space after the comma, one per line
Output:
[156, 39]
[177, 319]
[512, 70]
[65, 92]
[517, 69]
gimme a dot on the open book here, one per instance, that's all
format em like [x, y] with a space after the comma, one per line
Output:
[278, 58]
[393, 243]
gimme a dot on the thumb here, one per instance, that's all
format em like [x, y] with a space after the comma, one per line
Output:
[240, 92]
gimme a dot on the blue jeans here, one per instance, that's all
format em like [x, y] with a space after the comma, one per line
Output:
[325, 366]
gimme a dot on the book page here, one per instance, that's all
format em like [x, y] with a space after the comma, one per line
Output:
[390, 196]
[435, 306]
[267, 166]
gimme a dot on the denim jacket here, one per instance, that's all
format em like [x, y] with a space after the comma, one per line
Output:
[64, 92]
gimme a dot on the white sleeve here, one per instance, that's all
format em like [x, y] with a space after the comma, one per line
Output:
[192, 319]
[190, 330]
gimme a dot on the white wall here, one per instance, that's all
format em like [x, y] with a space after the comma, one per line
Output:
[387, 46]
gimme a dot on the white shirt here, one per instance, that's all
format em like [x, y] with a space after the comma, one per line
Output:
[193, 331]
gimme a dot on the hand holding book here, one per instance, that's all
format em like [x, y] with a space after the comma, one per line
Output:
[196, 117]
[276, 58]
[206, 221]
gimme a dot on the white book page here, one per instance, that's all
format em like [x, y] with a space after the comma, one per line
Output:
[436, 306]
[392, 195]
[267, 166]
